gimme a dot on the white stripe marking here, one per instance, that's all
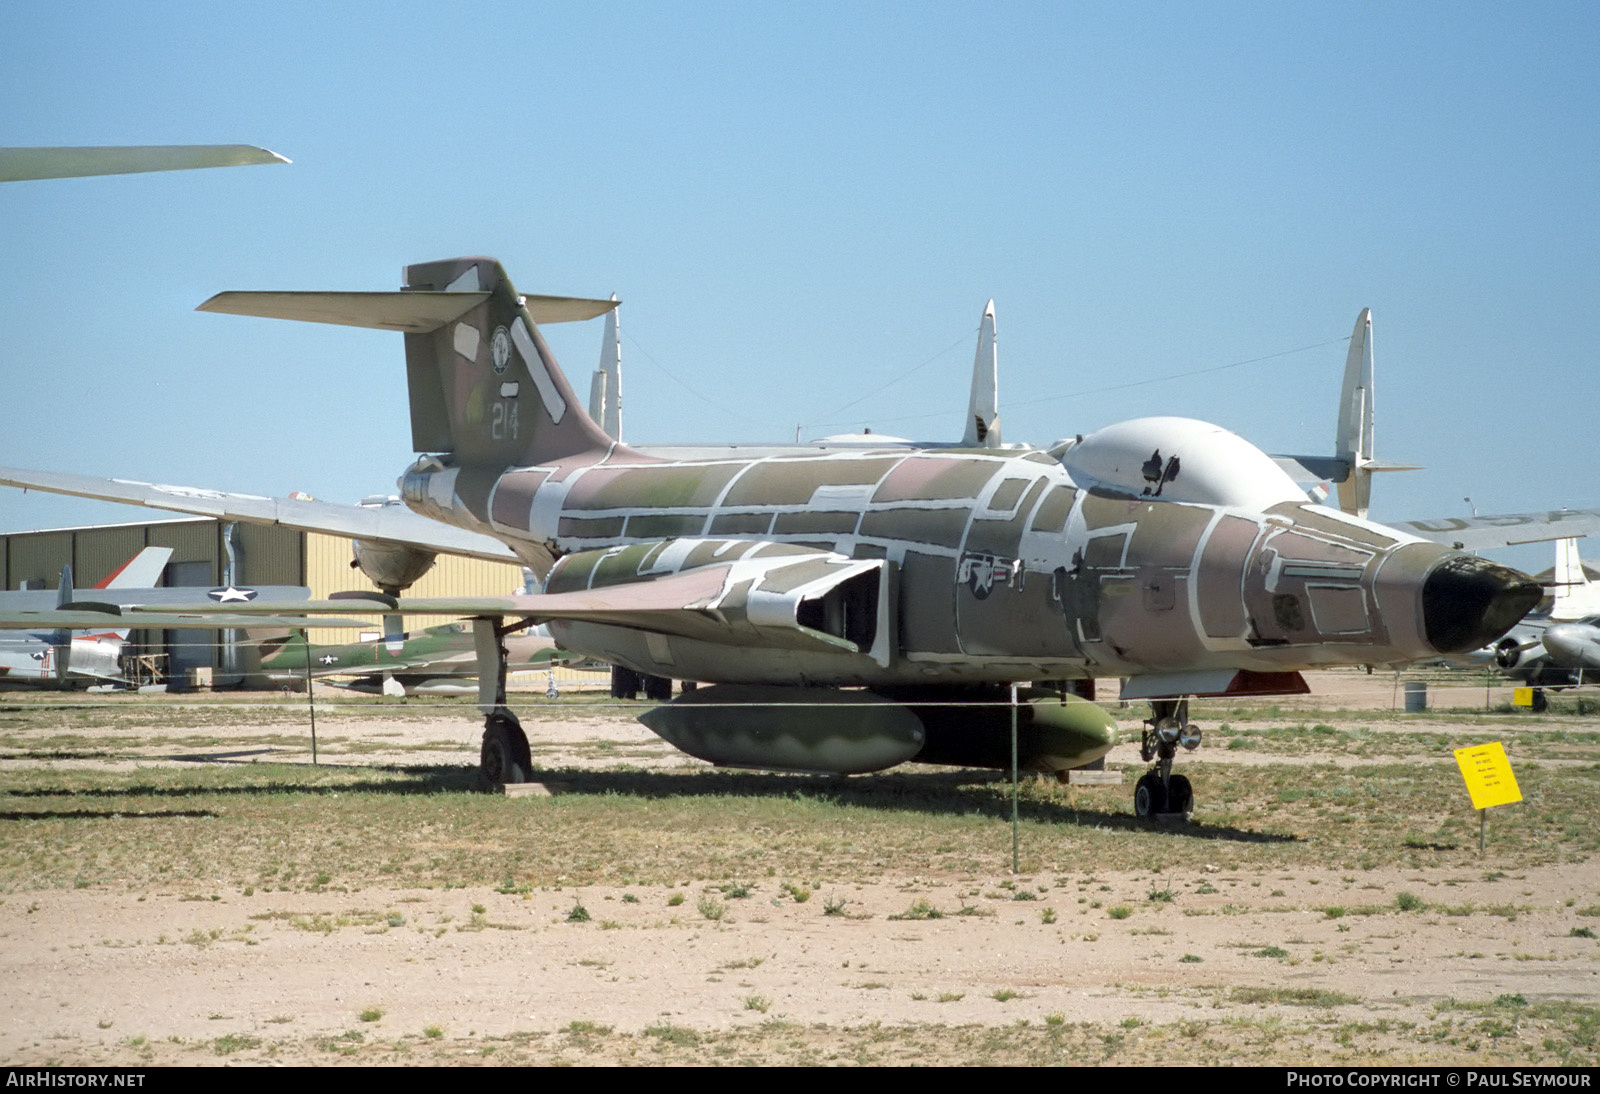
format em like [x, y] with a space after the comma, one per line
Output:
[554, 404]
[466, 340]
[467, 282]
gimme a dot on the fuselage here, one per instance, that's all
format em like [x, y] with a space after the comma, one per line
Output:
[1159, 545]
[42, 660]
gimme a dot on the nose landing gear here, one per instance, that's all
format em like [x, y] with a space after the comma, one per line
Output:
[1160, 793]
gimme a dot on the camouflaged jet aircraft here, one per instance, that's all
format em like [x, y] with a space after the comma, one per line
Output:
[855, 609]
[440, 660]
[1163, 550]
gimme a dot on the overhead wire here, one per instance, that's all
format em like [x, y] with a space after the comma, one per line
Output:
[1013, 404]
[1177, 375]
[635, 343]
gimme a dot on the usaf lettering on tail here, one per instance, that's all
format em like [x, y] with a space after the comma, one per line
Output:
[854, 608]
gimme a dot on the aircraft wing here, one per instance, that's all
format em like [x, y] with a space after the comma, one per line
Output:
[96, 618]
[23, 164]
[1507, 530]
[731, 603]
[672, 604]
[390, 523]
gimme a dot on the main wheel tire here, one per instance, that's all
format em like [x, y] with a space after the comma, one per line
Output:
[624, 683]
[504, 757]
[658, 689]
[1180, 796]
[1149, 796]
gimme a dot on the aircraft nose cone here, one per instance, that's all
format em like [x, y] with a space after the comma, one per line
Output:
[1573, 645]
[1468, 602]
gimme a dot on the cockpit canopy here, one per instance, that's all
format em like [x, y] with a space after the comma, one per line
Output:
[1179, 459]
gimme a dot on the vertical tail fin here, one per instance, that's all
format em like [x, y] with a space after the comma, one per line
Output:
[605, 391]
[983, 406]
[1574, 595]
[1354, 440]
[142, 571]
[484, 385]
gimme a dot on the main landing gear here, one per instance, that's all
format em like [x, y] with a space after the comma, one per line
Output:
[1159, 792]
[627, 684]
[504, 757]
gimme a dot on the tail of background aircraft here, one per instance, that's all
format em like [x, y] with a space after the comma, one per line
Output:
[605, 389]
[97, 654]
[1352, 464]
[142, 571]
[1574, 595]
[1353, 441]
[983, 406]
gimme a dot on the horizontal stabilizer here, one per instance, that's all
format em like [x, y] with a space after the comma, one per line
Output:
[1304, 469]
[411, 311]
[1308, 469]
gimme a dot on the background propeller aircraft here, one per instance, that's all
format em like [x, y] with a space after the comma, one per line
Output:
[60, 657]
[1166, 551]
[1553, 646]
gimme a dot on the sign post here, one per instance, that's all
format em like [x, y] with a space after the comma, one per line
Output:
[1489, 780]
[1014, 859]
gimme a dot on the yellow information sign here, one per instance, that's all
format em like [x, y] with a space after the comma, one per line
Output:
[1488, 775]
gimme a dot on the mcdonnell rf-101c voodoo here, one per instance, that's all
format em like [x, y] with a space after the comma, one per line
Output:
[855, 608]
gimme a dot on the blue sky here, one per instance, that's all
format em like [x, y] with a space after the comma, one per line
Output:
[802, 204]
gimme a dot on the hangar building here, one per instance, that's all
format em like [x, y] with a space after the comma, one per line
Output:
[208, 553]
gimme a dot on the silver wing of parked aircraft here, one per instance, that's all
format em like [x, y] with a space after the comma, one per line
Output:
[25, 164]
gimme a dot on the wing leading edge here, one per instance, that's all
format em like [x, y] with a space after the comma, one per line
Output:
[1506, 530]
[389, 523]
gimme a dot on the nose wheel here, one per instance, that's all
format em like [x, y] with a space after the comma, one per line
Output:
[1160, 793]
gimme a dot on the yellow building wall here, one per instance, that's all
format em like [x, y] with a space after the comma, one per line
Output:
[328, 571]
[38, 557]
[100, 552]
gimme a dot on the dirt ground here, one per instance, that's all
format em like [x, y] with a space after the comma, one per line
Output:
[1243, 966]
